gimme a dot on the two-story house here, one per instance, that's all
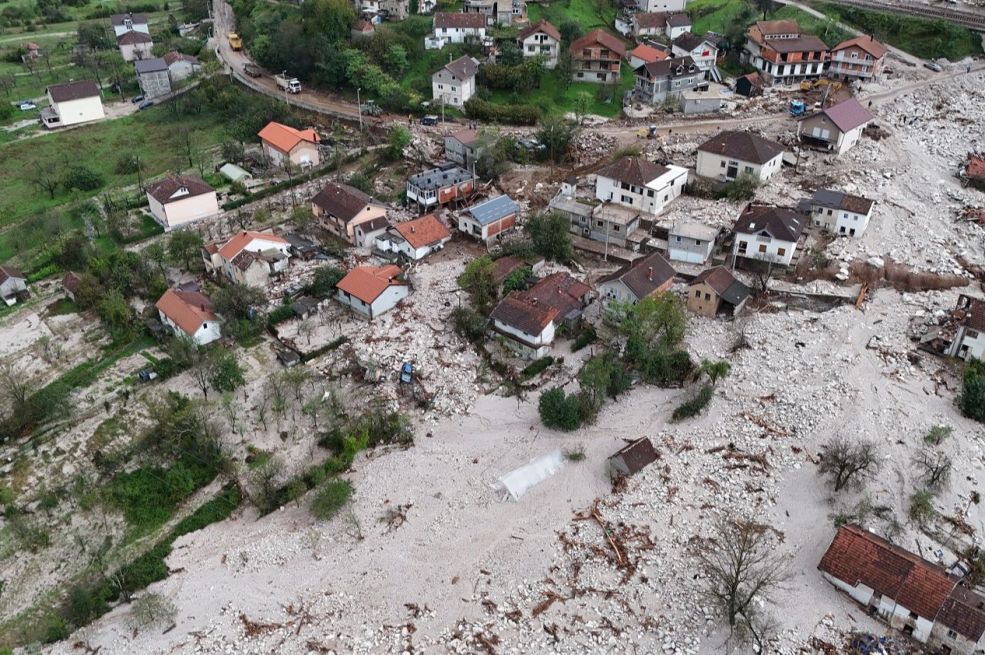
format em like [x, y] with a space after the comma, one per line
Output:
[455, 27]
[768, 234]
[840, 213]
[541, 40]
[644, 54]
[135, 45]
[454, 83]
[283, 144]
[640, 184]
[72, 103]
[372, 290]
[489, 220]
[597, 57]
[660, 81]
[249, 258]
[969, 340]
[728, 155]
[460, 147]
[153, 77]
[836, 128]
[691, 242]
[645, 277]
[525, 324]
[778, 49]
[861, 58]
[181, 199]
[498, 12]
[702, 51]
[448, 183]
[340, 208]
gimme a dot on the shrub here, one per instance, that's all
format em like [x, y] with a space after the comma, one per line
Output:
[922, 507]
[742, 188]
[972, 399]
[330, 499]
[514, 114]
[150, 610]
[937, 434]
[693, 406]
[560, 411]
[469, 324]
[586, 337]
[82, 178]
[550, 236]
[576, 454]
[536, 367]
[518, 280]
[280, 314]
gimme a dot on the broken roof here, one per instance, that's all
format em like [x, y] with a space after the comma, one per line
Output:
[342, 201]
[634, 170]
[848, 114]
[241, 241]
[504, 266]
[600, 37]
[972, 312]
[424, 231]
[465, 67]
[178, 187]
[493, 209]
[722, 282]
[866, 43]
[779, 222]
[133, 37]
[541, 26]
[367, 282]
[73, 90]
[525, 313]
[445, 20]
[839, 200]
[856, 556]
[743, 146]
[636, 455]
[465, 137]
[447, 174]
[186, 309]
[560, 291]
[285, 138]
[643, 276]
[175, 56]
[652, 19]
[155, 65]
[8, 272]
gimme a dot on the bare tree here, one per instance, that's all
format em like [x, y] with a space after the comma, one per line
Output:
[45, 176]
[742, 566]
[934, 467]
[305, 329]
[845, 462]
[15, 388]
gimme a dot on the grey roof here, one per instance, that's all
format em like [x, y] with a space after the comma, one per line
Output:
[462, 68]
[848, 115]
[643, 276]
[678, 20]
[724, 283]
[743, 146]
[694, 230]
[839, 200]
[689, 41]
[671, 67]
[442, 176]
[493, 209]
[572, 206]
[779, 222]
[155, 65]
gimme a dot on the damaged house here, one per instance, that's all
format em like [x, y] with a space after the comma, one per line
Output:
[415, 239]
[249, 258]
[526, 325]
[836, 128]
[915, 596]
[768, 234]
[645, 277]
[969, 337]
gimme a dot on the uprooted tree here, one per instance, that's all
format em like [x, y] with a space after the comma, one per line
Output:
[846, 463]
[741, 567]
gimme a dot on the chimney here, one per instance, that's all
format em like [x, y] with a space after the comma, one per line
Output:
[649, 274]
[413, 229]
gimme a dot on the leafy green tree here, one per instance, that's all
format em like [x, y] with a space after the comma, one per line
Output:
[400, 138]
[550, 236]
[234, 301]
[395, 60]
[184, 246]
[330, 499]
[583, 105]
[326, 277]
[93, 35]
[115, 312]
[225, 372]
[558, 410]
[556, 136]
[517, 280]
[232, 151]
[972, 399]
[82, 178]
[330, 19]
[604, 376]
[654, 321]
[479, 281]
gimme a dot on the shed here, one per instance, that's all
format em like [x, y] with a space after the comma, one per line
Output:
[632, 458]
[234, 173]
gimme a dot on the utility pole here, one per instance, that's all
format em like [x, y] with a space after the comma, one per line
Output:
[359, 108]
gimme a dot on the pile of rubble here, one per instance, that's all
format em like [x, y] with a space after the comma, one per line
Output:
[590, 146]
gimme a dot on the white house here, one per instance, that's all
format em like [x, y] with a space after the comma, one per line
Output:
[729, 154]
[840, 213]
[768, 234]
[645, 277]
[913, 595]
[365, 233]
[677, 24]
[455, 27]
[123, 23]
[490, 219]
[372, 290]
[969, 340]
[415, 239]
[454, 83]
[836, 128]
[72, 103]
[135, 45]
[702, 51]
[340, 208]
[691, 242]
[282, 143]
[640, 184]
[541, 40]
[189, 314]
[249, 257]
[181, 66]
[181, 199]
[12, 284]
[665, 6]
[526, 325]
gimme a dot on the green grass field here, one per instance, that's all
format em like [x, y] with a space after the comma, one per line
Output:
[554, 97]
[584, 12]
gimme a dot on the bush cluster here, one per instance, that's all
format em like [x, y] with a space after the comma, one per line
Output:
[495, 113]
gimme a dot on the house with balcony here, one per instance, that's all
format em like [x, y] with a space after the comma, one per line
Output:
[778, 49]
[768, 234]
[702, 52]
[498, 12]
[861, 58]
[446, 184]
[666, 80]
[597, 57]
[836, 128]
[639, 184]
[541, 40]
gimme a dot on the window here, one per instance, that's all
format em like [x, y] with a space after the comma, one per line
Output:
[748, 169]
[971, 334]
[721, 164]
[615, 228]
[781, 251]
[829, 212]
[951, 634]
[697, 294]
[854, 55]
[441, 87]
[599, 224]
[649, 193]
[678, 239]
[762, 247]
[626, 199]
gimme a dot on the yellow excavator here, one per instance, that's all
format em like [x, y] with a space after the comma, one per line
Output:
[807, 85]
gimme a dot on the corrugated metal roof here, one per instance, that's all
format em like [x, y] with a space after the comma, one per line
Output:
[493, 209]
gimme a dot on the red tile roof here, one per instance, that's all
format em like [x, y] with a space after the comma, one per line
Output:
[236, 245]
[598, 37]
[423, 231]
[163, 190]
[857, 556]
[187, 309]
[866, 43]
[367, 282]
[286, 138]
[652, 19]
[7, 272]
[521, 311]
[541, 26]
[560, 291]
[647, 53]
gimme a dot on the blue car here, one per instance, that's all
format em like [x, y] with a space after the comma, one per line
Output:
[146, 104]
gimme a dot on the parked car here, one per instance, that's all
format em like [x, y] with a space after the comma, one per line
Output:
[146, 104]
[934, 66]
[429, 120]
[137, 100]
[26, 105]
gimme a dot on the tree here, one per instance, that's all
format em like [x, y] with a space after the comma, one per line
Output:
[232, 151]
[603, 376]
[518, 280]
[510, 54]
[329, 19]
[225, 372]
[479, 281]
[972, 399]
[325, 279]
[45, 176]
[93, 36]
[395, 59]
[399, 139]
[184, 245]
[655, 321]
[766, 6]
[154, 254]
[556, 136]
[715, 370]
[550, 236]
[234, 301]
[845, 462]
[742, 565]
[152, 609]
[558, 410]
[741, 188]
[934, 467]
[264, 484]
[583, 105]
